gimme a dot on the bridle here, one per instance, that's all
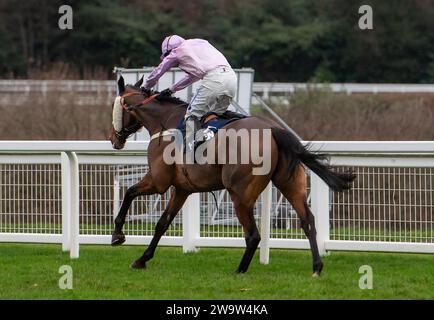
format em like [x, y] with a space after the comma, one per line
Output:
[125, 132]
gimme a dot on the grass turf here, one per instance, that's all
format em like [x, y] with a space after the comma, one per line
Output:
[30, 271]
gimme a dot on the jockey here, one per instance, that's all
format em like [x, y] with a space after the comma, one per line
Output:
[200, 60]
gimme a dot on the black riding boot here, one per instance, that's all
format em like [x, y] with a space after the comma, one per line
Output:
[192, 126]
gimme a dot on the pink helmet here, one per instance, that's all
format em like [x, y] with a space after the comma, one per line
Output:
[170, 43]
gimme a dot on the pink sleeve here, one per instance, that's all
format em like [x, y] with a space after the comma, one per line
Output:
[168, 62]
[184, 82]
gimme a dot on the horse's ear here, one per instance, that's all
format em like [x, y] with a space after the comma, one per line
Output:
[121, 85]
[139, 83]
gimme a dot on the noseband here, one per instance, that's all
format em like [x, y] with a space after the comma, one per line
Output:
[127, 131]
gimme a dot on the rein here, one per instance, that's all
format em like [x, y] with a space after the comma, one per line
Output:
[144, 102]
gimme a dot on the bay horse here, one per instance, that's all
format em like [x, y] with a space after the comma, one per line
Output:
[160, 114]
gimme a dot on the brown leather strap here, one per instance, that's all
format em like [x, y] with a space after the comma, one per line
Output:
[210, 117]
[146, 101]
[150, 99]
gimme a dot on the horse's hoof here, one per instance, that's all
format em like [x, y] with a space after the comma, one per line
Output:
[138, 265]
[240, 271]
[117, 239]
[317, 268]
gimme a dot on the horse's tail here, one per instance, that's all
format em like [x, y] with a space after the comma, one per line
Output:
[295, 153]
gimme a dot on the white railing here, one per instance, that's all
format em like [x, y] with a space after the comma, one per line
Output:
[265, 89]
[68, 192]
[262, 88]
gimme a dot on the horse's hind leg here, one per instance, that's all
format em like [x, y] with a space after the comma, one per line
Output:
[308, 225]
[295, 192]
[244, 211]
[177, 200]
[143, 187]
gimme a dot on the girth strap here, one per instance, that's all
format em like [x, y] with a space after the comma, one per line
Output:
[168, 132]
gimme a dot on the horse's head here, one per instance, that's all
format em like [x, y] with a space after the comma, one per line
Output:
[134, 103]
[124, 122]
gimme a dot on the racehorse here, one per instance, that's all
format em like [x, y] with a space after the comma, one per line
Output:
[160, 114]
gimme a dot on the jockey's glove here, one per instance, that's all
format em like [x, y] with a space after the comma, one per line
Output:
[166, 93]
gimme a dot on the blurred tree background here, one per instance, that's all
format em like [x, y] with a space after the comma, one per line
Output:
[283, 40]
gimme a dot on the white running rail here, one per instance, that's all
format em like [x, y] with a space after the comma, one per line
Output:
[265, 89]
[68, 192]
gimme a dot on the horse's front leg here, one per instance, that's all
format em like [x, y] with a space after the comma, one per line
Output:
[143, 187]
[177, 200]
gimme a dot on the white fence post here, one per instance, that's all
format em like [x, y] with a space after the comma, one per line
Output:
[116, 198]
[264, 254]
[191, 222]
[74, 221]
[66, 200]
[320, 208]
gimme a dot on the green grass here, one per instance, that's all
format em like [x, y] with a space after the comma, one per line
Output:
[30, 271]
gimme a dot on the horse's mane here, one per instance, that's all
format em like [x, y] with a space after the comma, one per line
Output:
[169, 99]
